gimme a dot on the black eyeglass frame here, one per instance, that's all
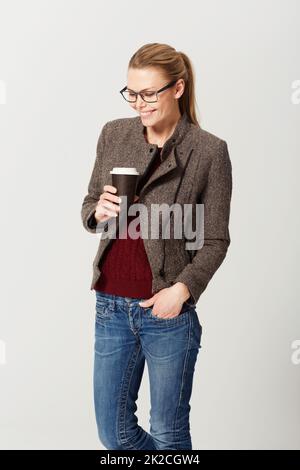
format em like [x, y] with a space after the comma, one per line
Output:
[140, 93]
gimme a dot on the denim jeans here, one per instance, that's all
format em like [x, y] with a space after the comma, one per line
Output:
[126, 335]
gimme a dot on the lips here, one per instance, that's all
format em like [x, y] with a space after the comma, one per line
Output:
[148, 113]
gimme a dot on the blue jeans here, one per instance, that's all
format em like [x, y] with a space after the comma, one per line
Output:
[126, 335]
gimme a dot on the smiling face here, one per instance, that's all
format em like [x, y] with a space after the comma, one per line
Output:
[152, 78]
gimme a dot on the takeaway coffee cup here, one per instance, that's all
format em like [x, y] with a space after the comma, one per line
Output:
[125, 180]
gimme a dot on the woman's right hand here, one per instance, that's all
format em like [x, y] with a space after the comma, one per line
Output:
[106, 208]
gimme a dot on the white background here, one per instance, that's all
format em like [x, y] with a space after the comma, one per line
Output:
[62, 64]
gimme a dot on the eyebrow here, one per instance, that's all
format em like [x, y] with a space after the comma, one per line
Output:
[144, 89]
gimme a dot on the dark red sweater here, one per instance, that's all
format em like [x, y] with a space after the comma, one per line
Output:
[125, 269]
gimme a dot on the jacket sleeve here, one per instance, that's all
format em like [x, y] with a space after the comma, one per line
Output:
[91, 199]
[216, 198]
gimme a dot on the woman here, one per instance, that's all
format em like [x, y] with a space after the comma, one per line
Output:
[148, 287]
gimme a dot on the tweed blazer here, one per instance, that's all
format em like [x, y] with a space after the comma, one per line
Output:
[195, 170]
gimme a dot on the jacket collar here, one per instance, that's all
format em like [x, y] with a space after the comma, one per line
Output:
[174, 154]
[176, 137]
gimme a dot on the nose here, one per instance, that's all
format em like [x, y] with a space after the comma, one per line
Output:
[141, 102]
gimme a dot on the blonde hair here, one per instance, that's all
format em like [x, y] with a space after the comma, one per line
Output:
[174, 65]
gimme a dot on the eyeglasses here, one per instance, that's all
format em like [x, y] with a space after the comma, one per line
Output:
[149, 96]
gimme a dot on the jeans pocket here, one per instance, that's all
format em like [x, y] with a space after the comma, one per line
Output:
[181, 317]
[104, 309]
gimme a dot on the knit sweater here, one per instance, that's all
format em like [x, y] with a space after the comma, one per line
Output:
[125, 269]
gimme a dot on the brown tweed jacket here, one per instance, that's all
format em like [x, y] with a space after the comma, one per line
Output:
[195, 169]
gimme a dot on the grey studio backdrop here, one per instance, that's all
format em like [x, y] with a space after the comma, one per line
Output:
[61, 67]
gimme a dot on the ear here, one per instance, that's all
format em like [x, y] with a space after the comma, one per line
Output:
[180, 87]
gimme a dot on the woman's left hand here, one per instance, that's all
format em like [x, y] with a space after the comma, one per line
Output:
[168, 302]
